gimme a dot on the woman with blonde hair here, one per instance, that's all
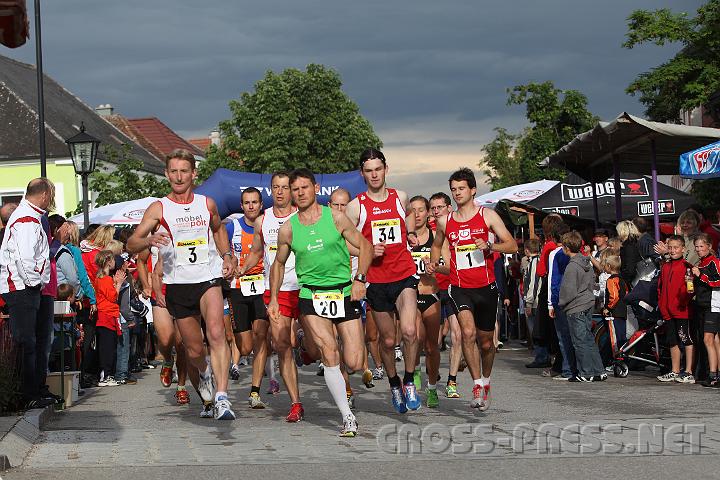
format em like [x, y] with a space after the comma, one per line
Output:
[94, 243]
[629, 250]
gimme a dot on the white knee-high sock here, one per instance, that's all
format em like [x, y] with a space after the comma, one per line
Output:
[269, 369]
[336, 385]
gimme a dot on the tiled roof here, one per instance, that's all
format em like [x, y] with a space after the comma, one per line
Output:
[63, 114]
[161, 137]
[201, 143]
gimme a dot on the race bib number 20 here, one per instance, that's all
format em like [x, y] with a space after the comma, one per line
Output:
[192, 252]
[387, 231]
[329, 304]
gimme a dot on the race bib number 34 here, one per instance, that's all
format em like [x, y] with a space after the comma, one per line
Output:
[329, 304]
[192, 252]
[252, 285]
[387, 231]
[469, 256]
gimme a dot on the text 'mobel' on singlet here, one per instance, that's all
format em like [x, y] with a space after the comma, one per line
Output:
[191, 255]
[270, 227]
[385, 222]
[469, 268]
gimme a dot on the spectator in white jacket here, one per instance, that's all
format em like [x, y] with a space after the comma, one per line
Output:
[24, 271]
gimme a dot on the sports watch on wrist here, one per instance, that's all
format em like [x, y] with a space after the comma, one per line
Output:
[360, 278]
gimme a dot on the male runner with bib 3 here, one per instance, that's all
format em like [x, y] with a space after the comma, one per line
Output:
[195, 253]
[380, 215]
[471, 233]
[317, 236]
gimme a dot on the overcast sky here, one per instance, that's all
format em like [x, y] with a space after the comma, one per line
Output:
[430, 75]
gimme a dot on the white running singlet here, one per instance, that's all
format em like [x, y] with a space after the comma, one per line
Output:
[270, 228]
[190, 256]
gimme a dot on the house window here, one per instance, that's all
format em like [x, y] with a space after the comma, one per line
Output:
[10, 198]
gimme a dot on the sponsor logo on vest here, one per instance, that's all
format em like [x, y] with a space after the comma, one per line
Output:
[318, 245]
[569, 210]
[665, 207]
[191, 221]
[380, 211]
[636, 187]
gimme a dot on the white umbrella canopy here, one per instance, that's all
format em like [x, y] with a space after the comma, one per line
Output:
[123, 213]
[522, 193]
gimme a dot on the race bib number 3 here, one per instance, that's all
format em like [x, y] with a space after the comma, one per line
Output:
[469, 256]
[329, 304]
[387, 231]
[192, 252]
[252, 285]
[419, 263]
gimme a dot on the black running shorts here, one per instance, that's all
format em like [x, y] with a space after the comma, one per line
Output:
[183, 299]
[383, 296]
[245, 310]
[353, 310]
[482, 302]
[426, 301]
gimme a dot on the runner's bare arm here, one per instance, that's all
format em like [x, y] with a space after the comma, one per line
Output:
[142, 239]
[444, 269]
[143, 273]
[506, 243]
[157, 275]
[353, 237]
[277, 270]
[222, 242]
[352, 211]
[256, 251]
[436, 249]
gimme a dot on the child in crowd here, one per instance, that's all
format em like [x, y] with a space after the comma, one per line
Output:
[127, 322]
[576, 299]
[108, 315]
[707, 300]
[673, 302]
[65, 293]
[615, 307]
[530, 297]
[557, 263]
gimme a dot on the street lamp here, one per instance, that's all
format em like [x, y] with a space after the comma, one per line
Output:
[83, 150]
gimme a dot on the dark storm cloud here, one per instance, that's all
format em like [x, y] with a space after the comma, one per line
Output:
[182, 61]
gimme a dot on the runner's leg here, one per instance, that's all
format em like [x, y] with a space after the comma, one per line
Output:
[431, 323]
[280, 331]
[469, 342]
[211, 306]
[407, 307]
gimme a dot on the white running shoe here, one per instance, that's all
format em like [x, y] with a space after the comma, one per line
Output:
[108, 382]
[207, 410]
[378, 373]
[223, 410]
[477, 393]
[206, 387]
[255, 402]
[350, 427]
[486, 398]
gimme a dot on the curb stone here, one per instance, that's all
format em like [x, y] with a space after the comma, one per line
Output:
[18, 441]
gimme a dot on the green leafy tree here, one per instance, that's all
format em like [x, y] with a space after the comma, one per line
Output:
[216, 158]
[692, 76]
[555, 116]
[294, 119]
[124, 182]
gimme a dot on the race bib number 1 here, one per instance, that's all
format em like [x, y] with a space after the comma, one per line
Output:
[387, 231]
[469, 256]
[192, 252]
[419, 263]
[252, 285]
[329, 304]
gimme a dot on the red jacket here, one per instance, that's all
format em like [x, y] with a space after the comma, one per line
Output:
[542, 267]
[108, 314]
[673, 297]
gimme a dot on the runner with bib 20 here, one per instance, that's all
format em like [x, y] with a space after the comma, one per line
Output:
[471, 233]
[317, 236]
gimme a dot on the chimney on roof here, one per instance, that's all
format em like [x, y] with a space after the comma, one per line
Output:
[104, 110]
[215, 138]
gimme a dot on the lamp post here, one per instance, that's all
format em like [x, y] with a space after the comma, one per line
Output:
[83, 150]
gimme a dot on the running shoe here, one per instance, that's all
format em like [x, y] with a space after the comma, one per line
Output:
[351, 401]
[685, 377]
[417, 380]
[451, 390]
[297, 413]
[350, 427]
[367, 379]
[274, 387]
[243, 361]
[600, 378]
[235, 373]
[321, 370]
[432, 397]
[398, 354]
[668, 377]
[206, 387]
[412, 400]
[175, 377]
[486, 398]
[255, 402]
[108, 382]
[477, 393]
[182, 396]
[222, 409]
[398, 399]
[378, 373]
[207, 410]
[166, 376]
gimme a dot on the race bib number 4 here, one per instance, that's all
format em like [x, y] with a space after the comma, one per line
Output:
[387, 231]
[252, 285]
[329, 304]
[419, 263]
[192, 252]
[469, 256]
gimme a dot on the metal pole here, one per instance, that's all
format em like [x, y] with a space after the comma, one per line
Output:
[596, 211]
[86, 212]
[62, 360]
[41, 97]
[618, 193]
[653, 169]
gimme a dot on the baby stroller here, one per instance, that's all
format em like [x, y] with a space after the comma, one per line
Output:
[644, 345]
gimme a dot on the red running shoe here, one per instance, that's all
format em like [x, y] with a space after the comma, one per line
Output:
[183, 397]
[166, 375]
[297, 412]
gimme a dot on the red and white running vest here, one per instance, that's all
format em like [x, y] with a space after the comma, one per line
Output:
[270, 227]
[469, 266]
[385, 222]
[190, 256]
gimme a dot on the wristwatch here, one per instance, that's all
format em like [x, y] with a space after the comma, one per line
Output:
[489, 245]
[360, 277]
